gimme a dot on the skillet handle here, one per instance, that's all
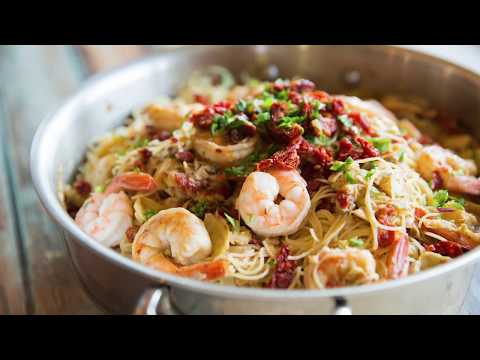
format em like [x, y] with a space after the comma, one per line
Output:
[155, 302]
[342, 307]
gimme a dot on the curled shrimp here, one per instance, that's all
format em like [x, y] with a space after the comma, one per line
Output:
[456, 173]
[224, 155]
[107, 216]
[340, 267]
[397, 258]
[176, 236]
[258, 209]
[457, 226]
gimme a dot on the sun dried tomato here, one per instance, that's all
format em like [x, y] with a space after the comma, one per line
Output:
[221, 107]
[346, 149]
[283, 274]
[83, 187]
[385, 215]
[368, 149]
[186, 183]
[327, 126]
[385, 237]
[203, 119]
[311, 153]
[202, 99]
[287, 159]
[145, 155]
[155, 134]
[295, 97]
[345, 200]
[320, 95]
[419, 213]
[184, 156]
[338, 108]
[131, 232]
[446, 248]
[360, 121]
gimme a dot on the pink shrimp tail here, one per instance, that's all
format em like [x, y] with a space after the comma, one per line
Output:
[132, 181]
[463, 184]
[397, 260]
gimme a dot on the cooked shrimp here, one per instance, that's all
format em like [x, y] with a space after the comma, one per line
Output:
[163, 117]
[340, 267]
[457, 226]
[106, 217]
[257, 206]
[456, 173]
[180, 234]
[224, 155]
[397, 258]
[132, 181]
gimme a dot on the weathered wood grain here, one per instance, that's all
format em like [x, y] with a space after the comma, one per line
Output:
[35, 79]
[12, 294]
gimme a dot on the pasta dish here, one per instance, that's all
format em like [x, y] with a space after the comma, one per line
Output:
[281, 185]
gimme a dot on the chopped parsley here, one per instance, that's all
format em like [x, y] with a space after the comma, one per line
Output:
[241, 106]
[227, 122]
[342, 165]
[381, 144]
[402, 156]
[321, 140]
[262, 118]
[345, 120]
[440, 198]
[235, 224]
[250, 162]
[350, 178]
[356, 242]
[140, 143]
[268, 102]
[235, 171]
[287, 122]
[371, 172]
[200, 208]
[149, 213]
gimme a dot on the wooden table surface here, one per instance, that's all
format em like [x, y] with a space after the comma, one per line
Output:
[36, 275]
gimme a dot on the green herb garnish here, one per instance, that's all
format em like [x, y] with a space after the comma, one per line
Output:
[350, 178]
[381, 144]
[342, 165]
[262, 118]
[149, 213]
[402, 156]
[235, 224]
[356, 242]
[440, 198]
[241, 106]
[99, 188]
[200, 208]
[140, 143]
[287, 122]
[345, 120]
[321, 140]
